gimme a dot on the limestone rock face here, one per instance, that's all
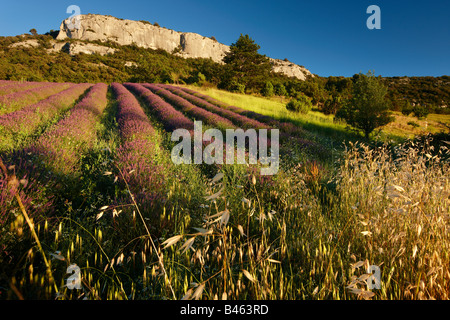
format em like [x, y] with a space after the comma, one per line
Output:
[196, 46]
[290, 69]
[26, 44]
[93, 27]
[145, 35]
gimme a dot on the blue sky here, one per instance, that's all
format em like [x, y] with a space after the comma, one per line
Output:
[330, 38]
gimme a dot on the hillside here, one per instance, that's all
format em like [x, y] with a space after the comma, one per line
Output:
[143, 34]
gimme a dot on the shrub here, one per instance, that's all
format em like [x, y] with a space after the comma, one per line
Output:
[420, 111]
[406, 108]
[302, 104]
[413, 124]
[280, 90]
[235, 86]
[201, 78]
[332, 105]
[268, 91]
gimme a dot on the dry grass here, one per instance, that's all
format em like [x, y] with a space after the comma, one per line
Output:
[402, 127]
[292, 237]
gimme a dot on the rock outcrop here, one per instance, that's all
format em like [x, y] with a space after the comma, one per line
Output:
[127, 32]
[290, 69]
[26, 44]
[143, 34]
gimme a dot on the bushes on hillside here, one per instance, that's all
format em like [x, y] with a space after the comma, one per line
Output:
[280, 90]
[417, 110]
[268, 90]
[302, 104]
[332, 105]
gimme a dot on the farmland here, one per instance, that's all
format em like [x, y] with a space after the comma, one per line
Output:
[87, 179]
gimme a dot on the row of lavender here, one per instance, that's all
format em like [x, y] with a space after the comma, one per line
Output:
[136, 158]
[58, 151]
[16, 126]
[170, 118]
[17, 100]
[246, 118]
[62, 146]
[12, 87]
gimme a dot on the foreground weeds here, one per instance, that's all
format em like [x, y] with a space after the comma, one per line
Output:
[307, 233]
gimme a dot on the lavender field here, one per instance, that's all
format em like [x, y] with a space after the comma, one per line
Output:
[87, 182]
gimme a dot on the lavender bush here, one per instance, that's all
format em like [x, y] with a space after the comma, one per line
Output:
[171, 119]
[137, 157]
[20, 99]
[192, 110]
[16, 126]
[62, 146]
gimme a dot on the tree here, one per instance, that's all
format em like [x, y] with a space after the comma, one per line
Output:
[280, 90]
[420, 111]
[332, 104]
[301, 104]
[33, 32]
[368, 108]
[406, 107]
[267, 91]
[245, 65]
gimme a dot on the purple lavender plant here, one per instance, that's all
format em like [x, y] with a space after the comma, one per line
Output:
[8, 88]
[171, 119]
[20, 99]
[62, 146]
[21, 123]
[190, 109]
[137, 156]
[29, 191]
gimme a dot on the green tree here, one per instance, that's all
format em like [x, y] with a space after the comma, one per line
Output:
[245, 65]
[268, 91]
[420, 111]
[332, 104]
[301, 104]
[406, 107]
[368, 108]
[33, 32]
[280, 90]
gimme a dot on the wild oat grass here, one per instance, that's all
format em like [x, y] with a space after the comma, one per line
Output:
[285, 238]
[401, 206]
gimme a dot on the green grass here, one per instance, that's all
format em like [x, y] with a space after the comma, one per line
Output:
[274, 108]
[324, 126]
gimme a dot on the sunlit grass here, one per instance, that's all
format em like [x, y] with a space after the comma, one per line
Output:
[319, 123]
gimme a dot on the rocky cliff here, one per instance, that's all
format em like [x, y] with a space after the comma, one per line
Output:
[93, 27]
